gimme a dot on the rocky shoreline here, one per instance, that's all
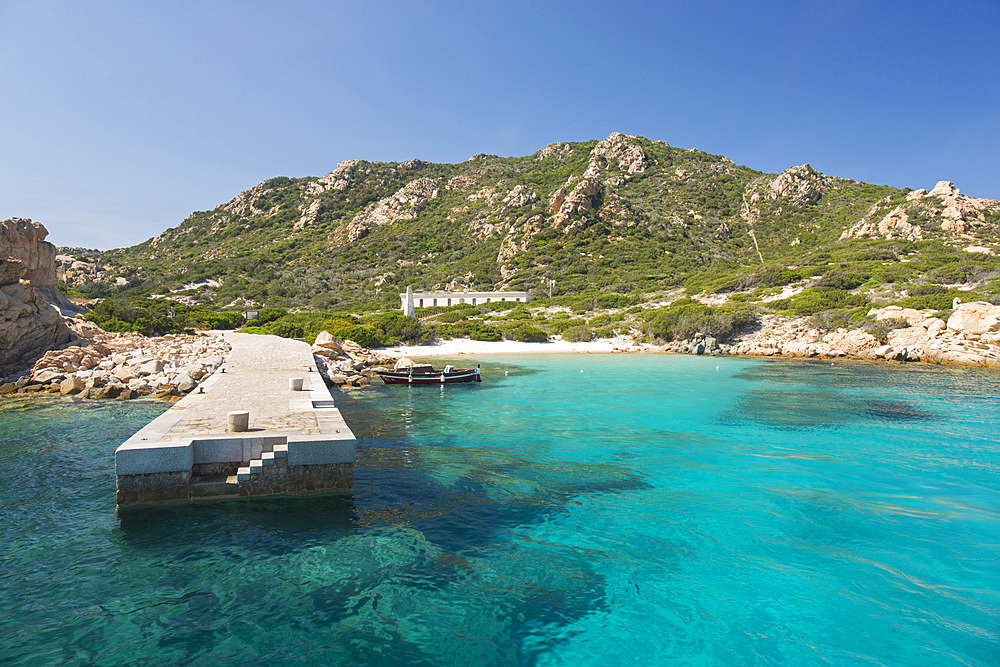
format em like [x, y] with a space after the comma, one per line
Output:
[103, 365]
[100, 364]
[969, 337]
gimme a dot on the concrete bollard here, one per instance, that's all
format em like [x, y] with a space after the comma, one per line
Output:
[295, 384]
[238, 421]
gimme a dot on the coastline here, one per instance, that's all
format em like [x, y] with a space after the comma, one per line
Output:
[101, 364]
[969, 337]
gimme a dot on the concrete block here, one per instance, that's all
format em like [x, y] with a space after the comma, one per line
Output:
[315, 451]
[238, 421]
[243, 474]
[267, 458]
[219, 450]
[281, 451]
[139, 459]
[295, 384]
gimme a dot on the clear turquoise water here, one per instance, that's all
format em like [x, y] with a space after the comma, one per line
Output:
[647, 510]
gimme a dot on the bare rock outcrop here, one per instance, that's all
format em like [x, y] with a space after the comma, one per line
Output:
[338, 179]
[520, 196]
[620, 152]
[975, 319]
[72, 269]
[250, 203]
[310, 213]
[954, 214]
[800, 186]
[345, 363]
[568, 206]
[405, 204]
[515, 242]
[30, 320]
[554, 150]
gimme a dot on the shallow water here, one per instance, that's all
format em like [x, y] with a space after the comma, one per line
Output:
[579, 509]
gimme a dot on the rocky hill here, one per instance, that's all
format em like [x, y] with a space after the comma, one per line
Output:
[620, 215]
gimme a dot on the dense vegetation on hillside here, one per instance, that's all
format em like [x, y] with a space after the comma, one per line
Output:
[625, 217]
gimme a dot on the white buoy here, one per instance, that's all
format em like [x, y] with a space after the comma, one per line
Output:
[506, 372]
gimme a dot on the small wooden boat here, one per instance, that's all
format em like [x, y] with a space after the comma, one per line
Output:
[427, 374]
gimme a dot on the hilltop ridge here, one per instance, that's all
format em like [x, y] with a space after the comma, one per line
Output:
[619, 215]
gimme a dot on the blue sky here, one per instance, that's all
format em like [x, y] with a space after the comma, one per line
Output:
[120, 118]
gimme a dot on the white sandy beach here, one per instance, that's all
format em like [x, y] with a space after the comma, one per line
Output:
[460, 346]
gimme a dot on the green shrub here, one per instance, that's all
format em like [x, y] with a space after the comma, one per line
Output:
[954, 272]
[845, 318]
[606, 319]
[606, 332]
[393, 326]
[207, 319]
[842, 280]
[363, 335]
[268, 315]
[880, 328]
[686, 317]
[158, 316]
[818, 299]
[337, 326]
[561, 325]
[481, 331]
[454, 316]
[527, 333]
[286, 329]
[115, 325]
[771, 275]
[936, 297]
[578, 334]
[617, 300]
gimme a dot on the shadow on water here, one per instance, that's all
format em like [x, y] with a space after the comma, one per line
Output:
[818, 394]
[271, 522]
[895, 411]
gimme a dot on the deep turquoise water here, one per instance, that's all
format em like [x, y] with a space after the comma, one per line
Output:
[648, 510]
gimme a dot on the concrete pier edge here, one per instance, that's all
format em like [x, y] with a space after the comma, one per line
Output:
[300, 445]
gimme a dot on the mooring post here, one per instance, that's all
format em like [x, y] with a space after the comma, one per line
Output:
[238, 421]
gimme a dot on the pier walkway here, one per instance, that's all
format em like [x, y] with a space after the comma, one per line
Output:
[295, 441]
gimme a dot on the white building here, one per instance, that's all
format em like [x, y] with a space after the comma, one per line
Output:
[428, 299]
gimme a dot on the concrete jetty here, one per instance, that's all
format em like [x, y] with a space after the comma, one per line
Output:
[264, 424]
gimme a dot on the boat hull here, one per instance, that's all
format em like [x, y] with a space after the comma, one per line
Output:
[451, 377]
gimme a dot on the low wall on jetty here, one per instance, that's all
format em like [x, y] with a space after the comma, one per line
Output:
[264, 425]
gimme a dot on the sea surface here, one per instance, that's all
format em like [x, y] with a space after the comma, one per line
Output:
[570, 510]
